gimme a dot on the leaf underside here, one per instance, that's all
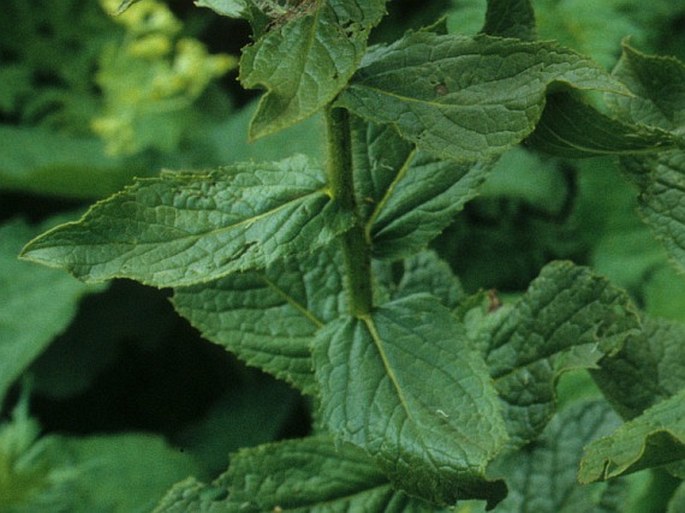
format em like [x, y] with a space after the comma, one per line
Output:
[657, 437]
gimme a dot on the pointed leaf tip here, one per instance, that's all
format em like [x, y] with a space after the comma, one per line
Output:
[182, 228]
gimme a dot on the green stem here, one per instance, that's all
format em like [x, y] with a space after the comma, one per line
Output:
[356, 251]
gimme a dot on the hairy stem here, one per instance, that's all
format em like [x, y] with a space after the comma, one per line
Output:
[356, 250]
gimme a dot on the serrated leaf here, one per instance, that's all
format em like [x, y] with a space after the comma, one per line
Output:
[568, 319]
[30, 316]
[657, 85]
[655, 438]
[657, 101]
[306, 59]
[404, 384]
[314, 475]
[184, 228]
[542, 477]
[407, 197]
[421, 202]
[649, 368]
[193, 496]
[426, 272]
[465, 98]
[571, 128]
[661, 179]
[269, 318]
[510, 18]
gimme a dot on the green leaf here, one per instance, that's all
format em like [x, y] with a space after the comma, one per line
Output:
[510, 18]
[677, 502]
[120, 473]
[657, 85]
[426, 272]
[661, 179]
[314, 475]
[657, 100]
[193, 496]
[655, 438]
[407, 197]
[649, 368]
[97, 474]
[228, 141]
[254, 411]
[422, 200]
[230, 8]
[31, 315]
[268, 318]
[306, 59]
[593, 28]
[571, 128]
[568, 319]
[542, 476]
[47, 162]
[404, 385]
[184, 228]
[465, 98]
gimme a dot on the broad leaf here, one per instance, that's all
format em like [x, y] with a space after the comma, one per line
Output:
[510, 18]
[655, 438]
[657, 85]
[568, 319]
[269, 318]
[407, 197]
[314, 475]
[661, 179]
[423, 199]
[465, 98]
[97, 474]
[650, 367]
[255, 410]
[542, 477]
[306, 58]
[404, 384]
[426, 272]
[193, 496]
[657, 101]
[572, 128]
[593, 28]
[37, 304]
[184, 228]
[121, 473]
[47, 162]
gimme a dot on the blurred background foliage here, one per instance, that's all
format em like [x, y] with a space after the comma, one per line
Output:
[108, 380]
